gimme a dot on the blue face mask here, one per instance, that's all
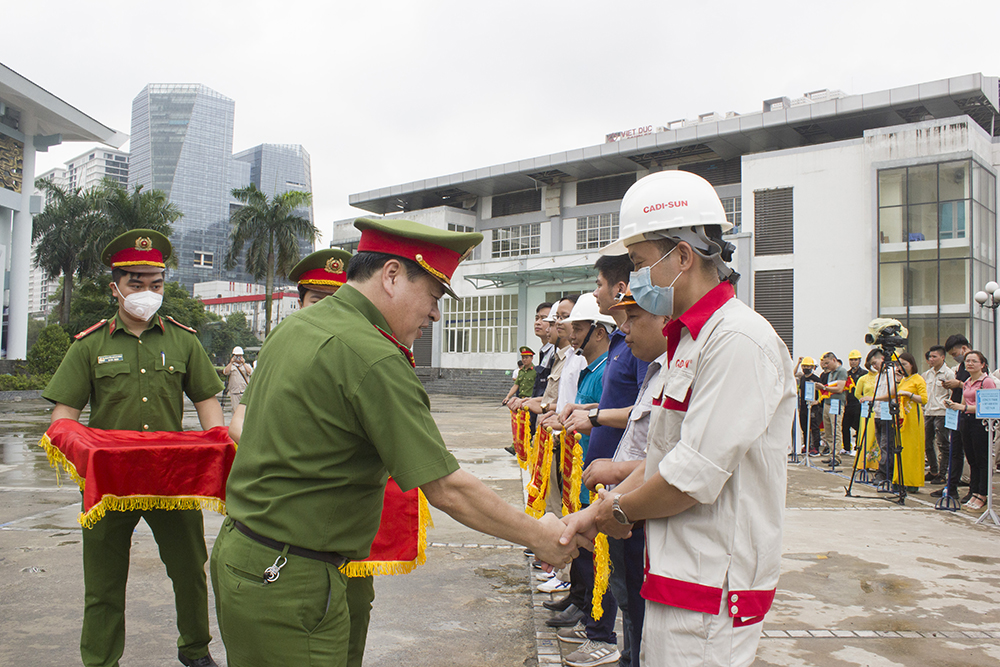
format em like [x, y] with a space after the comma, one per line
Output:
[652, 298]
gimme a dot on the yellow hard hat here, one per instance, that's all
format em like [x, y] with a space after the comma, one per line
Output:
[855, 354]
[808, 361]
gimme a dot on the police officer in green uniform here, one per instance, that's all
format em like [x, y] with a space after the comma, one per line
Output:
[525, 380]
[317, 276]
[134, 370]
[305, 492]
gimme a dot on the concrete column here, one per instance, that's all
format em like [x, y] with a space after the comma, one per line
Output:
[20, 253]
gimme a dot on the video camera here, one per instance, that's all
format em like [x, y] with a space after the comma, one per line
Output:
[886, 333]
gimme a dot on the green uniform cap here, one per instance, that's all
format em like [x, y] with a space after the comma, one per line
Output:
[322, 271]
[138, 251]
[524, 349]
[437, 251]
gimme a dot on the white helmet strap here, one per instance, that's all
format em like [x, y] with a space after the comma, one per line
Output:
[705, 247]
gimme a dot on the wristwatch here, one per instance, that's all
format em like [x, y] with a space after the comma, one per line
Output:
[593, 416]
[545, 408]
[617, 512]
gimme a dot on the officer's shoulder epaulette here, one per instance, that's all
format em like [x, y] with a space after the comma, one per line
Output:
[86, 332]
[182, 326]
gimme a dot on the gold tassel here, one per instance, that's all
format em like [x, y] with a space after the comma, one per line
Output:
[576, 479]
[529, 447]
[392, 567]
[602, 574]
[602, 567]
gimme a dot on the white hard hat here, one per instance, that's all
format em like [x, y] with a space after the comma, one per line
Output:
[238, 350]
[668, 204]
[586, 310]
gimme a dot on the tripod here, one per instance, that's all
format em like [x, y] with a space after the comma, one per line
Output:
[893, 452]
[862, 475]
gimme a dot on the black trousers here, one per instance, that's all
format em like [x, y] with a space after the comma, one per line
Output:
[975, 439]
[852, 420]
[955, 460]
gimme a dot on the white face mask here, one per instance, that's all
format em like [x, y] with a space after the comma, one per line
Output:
[142, 305]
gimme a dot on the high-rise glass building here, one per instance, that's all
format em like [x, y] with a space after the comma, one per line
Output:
[182, 144]
[278, 168]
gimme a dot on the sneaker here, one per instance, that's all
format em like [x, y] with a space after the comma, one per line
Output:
[510, 450]
[566, 619]
[544, 576]
[593, 653]
[574, 635]
[553, 585]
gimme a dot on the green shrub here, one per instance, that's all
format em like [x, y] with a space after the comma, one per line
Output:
[24, 382]
[48, 351]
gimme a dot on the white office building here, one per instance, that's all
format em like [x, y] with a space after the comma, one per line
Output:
[846, 207]
[226, 298]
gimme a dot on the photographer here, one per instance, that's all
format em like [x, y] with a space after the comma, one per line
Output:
[239, 379]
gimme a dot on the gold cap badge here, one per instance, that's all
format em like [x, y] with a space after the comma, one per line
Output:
[144, 243]
[335, 265]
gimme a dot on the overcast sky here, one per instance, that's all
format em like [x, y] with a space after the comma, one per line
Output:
[381, 93]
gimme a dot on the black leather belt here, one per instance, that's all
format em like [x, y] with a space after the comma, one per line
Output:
[326, 556]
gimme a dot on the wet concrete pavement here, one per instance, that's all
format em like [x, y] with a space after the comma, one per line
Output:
[864, 582]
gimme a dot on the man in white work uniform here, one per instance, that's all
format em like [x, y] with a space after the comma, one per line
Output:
[713, 488]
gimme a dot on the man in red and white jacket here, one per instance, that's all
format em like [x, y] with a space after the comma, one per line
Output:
[713, 489]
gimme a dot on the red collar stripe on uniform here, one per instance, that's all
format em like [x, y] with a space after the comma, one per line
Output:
[135, 257]
[402, 348]
[441, 259]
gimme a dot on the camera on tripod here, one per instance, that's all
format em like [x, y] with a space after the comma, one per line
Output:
[886, 333]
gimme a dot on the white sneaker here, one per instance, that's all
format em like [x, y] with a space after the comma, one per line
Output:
[553, 585]
[593, 653]
[544, 576]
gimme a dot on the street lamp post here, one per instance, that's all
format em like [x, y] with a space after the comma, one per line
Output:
[989, 297]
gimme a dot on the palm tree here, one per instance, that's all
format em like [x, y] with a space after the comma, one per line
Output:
[125, 209]
[271, 231]
[62, 235]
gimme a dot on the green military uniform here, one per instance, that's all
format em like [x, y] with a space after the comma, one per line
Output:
[525, 380]
[138, 384]
[352, 412]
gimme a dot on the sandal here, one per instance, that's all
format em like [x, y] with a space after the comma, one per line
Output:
[975, 503]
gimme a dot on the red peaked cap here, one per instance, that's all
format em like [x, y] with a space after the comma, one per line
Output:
[437, 251]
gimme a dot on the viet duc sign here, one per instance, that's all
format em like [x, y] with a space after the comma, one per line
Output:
[629, 134]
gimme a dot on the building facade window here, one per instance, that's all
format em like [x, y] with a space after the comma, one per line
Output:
[596, 190]
[733, 206]
[452, 227]
[525, 201]
[937, 245]
[203, 259]
[596, 231]
[773, 222]
[774, 299]
[517, 240]
[486, 324]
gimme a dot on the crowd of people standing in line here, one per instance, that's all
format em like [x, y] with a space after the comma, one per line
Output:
[855, 407]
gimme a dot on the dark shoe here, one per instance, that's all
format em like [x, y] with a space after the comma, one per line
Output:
[935, 479]
[529, 553]
[966, 498]
[836, 461]
[937, 494]
[510, 450]
[200, 662]
[558, 605]
[566, 619]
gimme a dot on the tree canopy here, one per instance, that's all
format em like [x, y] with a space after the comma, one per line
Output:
[270, 229]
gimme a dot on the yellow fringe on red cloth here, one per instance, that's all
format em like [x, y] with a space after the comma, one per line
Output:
[576, 477]
[364, 568]
[602, 567]
[538, 487]
[110, 503]
[57, 458]
[526, 437]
